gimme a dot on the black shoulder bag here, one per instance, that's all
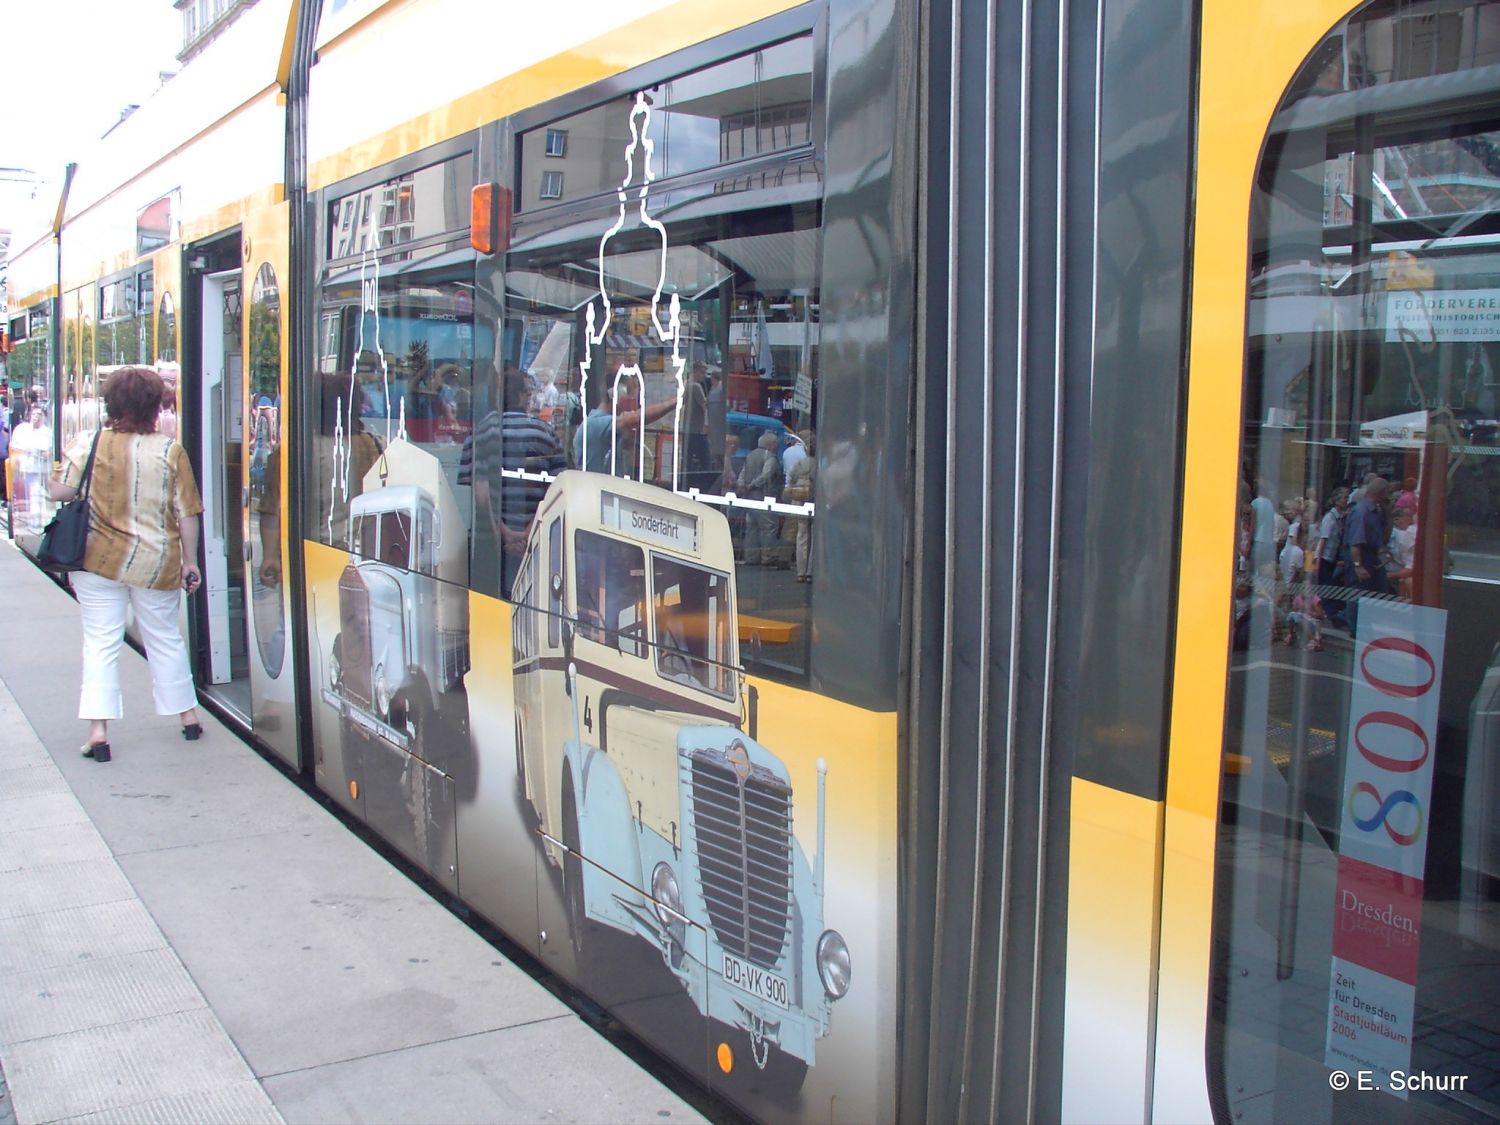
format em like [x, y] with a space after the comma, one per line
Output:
[66, 537]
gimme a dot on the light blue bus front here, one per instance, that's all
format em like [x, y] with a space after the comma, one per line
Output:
[738, 871]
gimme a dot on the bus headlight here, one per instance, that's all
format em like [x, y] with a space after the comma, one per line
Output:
[833, 964]
[666, 896]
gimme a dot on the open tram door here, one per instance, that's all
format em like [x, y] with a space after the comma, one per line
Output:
[260, 487]
[214, 428]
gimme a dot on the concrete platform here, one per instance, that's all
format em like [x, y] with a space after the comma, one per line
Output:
[186, 935]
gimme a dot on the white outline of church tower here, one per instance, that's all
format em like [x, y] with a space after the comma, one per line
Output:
[597, 328]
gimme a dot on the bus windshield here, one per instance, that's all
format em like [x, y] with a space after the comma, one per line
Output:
[693, 626]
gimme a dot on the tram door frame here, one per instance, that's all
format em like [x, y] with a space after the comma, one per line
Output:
[220, 415]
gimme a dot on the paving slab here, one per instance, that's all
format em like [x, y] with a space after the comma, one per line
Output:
[557, 1070]
[314, 950]
[213, 797]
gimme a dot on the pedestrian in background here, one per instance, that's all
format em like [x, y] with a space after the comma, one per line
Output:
[142, 553]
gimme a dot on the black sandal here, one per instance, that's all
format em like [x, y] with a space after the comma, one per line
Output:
[192, 731]
[99, 751]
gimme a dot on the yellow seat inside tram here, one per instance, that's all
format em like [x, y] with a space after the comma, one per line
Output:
[770, 631]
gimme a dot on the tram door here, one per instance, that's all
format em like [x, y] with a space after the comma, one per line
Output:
[261, 490]
[227, 670]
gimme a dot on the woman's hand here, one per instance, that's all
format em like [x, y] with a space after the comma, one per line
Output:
[192, 578]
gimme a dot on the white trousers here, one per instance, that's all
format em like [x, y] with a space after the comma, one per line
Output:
[102, 605]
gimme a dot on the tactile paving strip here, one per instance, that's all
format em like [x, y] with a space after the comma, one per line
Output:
[95, 993]
[64, 937]
[104, 1069]
[241, 1104]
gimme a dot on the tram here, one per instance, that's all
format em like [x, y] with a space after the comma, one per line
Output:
[829, 523]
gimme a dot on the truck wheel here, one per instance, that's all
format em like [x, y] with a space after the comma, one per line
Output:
[411, 711]
[580, 929]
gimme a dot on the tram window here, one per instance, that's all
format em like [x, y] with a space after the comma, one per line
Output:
[29, 363]
[742, 258]
[124, 332]
[398, 350]
[166, 336]
[1358, 904]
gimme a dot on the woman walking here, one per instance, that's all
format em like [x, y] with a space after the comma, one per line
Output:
[142, 551]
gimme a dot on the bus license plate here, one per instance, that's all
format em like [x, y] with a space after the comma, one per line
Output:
[755, 980]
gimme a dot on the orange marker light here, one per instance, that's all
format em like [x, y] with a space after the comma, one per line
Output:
[354, 790]
[489, 218]
[725, 1058]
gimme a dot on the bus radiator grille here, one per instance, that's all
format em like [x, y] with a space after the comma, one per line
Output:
[744, 839]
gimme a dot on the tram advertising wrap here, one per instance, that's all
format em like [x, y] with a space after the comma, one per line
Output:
[931, 561]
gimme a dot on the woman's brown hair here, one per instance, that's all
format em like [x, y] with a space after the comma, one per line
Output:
[133, 399]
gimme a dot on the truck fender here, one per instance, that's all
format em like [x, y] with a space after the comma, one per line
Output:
[606, 829]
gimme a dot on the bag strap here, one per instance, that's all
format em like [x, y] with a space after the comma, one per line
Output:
[88, 469]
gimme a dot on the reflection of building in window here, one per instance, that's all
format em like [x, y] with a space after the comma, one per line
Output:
[752, 105]
[415, 205]
[765, 130]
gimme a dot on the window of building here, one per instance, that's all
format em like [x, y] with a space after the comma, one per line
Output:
[552, 185]
[557, 142]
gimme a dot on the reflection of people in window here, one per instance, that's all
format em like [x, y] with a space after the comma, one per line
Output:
[508, 441]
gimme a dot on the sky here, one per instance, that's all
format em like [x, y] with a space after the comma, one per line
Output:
[70, 67]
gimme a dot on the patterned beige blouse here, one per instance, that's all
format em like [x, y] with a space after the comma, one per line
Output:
[142, 485]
